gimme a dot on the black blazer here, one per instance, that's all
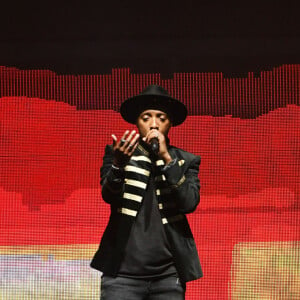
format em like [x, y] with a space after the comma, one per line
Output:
[177, 189]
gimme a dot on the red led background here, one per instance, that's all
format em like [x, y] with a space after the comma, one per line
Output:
[53, 131]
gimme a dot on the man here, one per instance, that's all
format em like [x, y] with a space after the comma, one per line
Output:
[147, 250]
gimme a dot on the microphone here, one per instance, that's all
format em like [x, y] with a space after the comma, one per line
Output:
[154, 144]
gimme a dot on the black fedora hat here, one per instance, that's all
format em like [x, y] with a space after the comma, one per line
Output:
[153, 97]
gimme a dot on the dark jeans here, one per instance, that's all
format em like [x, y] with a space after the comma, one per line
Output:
[122, 288]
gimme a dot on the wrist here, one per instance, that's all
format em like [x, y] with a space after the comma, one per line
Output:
[117, 174]
[115, 167]
[166, 158]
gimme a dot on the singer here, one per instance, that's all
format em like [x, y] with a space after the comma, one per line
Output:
[147, 250]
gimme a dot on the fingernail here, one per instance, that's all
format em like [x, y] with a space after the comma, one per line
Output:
[144, 138]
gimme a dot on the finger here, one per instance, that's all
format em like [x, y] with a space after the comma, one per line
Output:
[133, 144]
[123, 138]
[154, 131]
[145, 138]
[134, 140]
[114, 139]
[132, 149]
[125, 134]
[152, 134]
[130, 136]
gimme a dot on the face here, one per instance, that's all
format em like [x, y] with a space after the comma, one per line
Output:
[153, 119]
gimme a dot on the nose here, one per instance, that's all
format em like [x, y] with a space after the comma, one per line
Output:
[153, 124]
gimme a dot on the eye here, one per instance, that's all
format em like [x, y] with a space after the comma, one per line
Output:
[145, 118]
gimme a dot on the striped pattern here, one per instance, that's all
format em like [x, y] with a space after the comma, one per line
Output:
[133, 197]
[161, 177]
[181, 181]
[136, 183]
[159, 162]
[129, 168]
[165, 191]
[166, 205]
[136, 179]
[172, 219]
[181, 162]
[141, 158]
[128, 212]
[137, 174]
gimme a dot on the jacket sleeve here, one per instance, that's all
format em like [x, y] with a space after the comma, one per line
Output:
[184, 184]
[112, 180]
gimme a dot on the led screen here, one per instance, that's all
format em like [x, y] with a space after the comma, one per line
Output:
[53, 130]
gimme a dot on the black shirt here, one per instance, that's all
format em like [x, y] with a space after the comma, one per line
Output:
[147, 254]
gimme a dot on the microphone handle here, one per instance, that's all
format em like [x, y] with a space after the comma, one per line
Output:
[154, 145]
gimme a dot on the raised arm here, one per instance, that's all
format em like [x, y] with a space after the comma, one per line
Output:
[184, 184]
[115, 159]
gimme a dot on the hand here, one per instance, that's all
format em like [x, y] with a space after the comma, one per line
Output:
[124, 148]
[163, 149]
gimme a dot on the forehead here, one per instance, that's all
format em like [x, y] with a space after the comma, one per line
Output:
[153, 112]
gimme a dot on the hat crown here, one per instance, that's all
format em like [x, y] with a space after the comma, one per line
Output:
[155, 90]
[153, 97]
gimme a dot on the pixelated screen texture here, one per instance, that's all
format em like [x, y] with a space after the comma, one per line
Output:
[53, 131]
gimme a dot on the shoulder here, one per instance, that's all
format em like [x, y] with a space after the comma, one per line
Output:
[185, 155]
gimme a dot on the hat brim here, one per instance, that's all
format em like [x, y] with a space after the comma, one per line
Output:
[132, 107]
